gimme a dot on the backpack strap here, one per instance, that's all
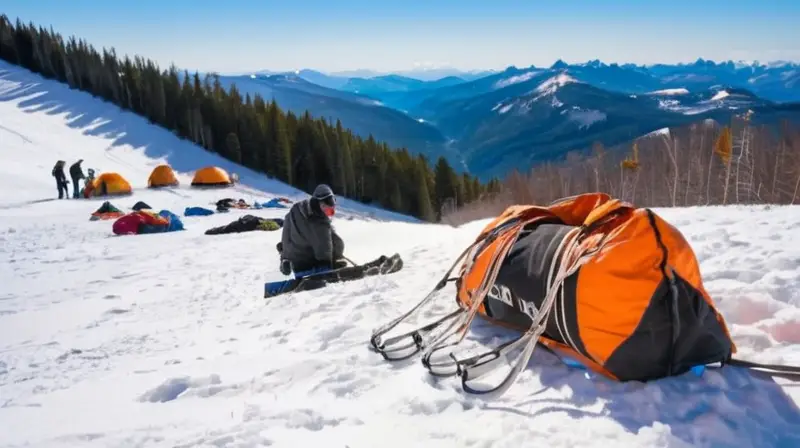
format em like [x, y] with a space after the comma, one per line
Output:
[788, 372]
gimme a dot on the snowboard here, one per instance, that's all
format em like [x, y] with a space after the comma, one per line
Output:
[383, 265]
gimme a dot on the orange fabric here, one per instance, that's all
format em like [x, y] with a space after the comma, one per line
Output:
[481, 267]
[152, 218]
[162, 176]
[684, 261]
[211, 175]
[573, 211]
[616, 285]
[114, 184]
[103, 216]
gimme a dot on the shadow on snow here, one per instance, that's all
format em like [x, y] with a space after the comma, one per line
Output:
[726, 407]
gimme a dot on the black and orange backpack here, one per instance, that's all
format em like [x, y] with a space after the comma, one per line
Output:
[591, 278]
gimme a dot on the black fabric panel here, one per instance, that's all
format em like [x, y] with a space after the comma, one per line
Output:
[570, 313]
[648, 353]
[524, 276]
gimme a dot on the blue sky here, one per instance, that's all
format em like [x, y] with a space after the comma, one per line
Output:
[332, 35]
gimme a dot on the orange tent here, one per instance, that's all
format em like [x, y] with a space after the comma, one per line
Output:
[162, 176]
[211, 176]
[108, 184]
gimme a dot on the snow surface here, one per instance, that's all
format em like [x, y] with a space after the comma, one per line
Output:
[658, 132]
[584, 118]
[679, 91]
[552, 84]
[516, 79]
[164, 339]
[503, 108]
[722, 94]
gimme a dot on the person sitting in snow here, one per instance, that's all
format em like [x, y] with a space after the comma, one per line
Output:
[309, 242]
[87, 182]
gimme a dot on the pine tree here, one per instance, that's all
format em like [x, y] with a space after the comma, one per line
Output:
[446, 185]
[232, 148]
[424, 209]
[282, 155]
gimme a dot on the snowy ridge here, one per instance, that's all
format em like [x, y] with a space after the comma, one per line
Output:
[714, 98]
[658, 132]
[550, 86]
[164, 339]
[516, 79]
[722, 94]
[678, 91]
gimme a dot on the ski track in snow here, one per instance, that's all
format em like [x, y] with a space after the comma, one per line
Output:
[164, 340]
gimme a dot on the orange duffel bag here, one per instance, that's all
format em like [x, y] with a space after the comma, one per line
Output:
[591, 278]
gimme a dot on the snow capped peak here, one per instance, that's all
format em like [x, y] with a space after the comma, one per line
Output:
[678, 91]
[516, 79]
[658, 132]
[552, 84]
[722, 94]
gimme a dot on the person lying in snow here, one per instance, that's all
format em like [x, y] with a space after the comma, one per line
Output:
[309, 241]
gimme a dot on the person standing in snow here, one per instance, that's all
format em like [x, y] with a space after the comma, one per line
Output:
[61, 179]
[76, 173]
[309, 241]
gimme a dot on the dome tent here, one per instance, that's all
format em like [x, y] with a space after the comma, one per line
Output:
[211, 176]
[162, 176]
[108, 184]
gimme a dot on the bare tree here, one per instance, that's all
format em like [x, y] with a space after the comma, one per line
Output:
[755, 168]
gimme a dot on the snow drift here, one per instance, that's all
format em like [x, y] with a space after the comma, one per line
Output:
[164, 339]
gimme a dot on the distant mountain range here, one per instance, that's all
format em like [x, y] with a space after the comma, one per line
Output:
[363, 115]
[491, 122]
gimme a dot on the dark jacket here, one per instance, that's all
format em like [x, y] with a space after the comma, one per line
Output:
[309, 239]
[75, 171]
[58, 172]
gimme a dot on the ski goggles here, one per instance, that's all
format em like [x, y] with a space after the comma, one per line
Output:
[328, 205]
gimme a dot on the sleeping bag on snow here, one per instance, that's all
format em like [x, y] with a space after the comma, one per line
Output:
[247, 223]
[197, 211]
[276, 203]
[105, 212]
[145, 221]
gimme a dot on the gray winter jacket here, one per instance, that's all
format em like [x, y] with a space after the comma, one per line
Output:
[309, 239]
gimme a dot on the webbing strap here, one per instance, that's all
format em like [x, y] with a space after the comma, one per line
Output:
[788, 372]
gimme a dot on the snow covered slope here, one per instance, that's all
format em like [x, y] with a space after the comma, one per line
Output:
[164, 339]
[44, 121]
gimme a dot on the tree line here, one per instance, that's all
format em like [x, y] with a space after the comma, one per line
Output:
[299, 150]
[704, 163]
